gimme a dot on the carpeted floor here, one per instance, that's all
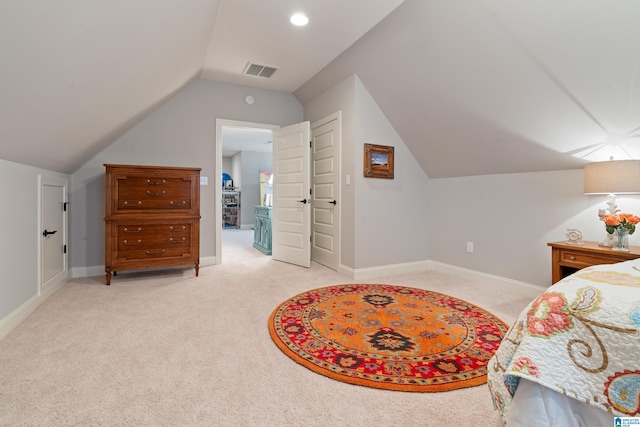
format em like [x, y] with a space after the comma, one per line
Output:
[167, 349]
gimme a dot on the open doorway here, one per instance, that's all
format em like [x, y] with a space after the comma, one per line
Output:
[241, 152]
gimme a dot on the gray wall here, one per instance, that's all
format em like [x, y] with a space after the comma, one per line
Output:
[384, 222]
[20, 234]
[180, 133]
[341, 98]
[510, 219]
[252, 163]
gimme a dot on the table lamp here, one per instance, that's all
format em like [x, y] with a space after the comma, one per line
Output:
[612, 177]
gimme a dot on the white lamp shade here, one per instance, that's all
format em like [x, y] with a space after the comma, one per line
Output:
[612, 177]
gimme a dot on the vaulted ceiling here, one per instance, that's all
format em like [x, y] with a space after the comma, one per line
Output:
[472, 87]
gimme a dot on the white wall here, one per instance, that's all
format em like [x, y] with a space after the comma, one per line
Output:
[384, 222]
[510, 219]
[341, 98]
[180, 133]
[20, 235]
[391, 215]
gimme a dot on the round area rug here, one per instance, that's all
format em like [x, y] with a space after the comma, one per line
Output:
[388, 337]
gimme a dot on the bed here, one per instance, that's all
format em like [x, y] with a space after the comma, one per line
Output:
[572, 357]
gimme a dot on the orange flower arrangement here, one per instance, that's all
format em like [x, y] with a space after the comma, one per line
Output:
[621, 220]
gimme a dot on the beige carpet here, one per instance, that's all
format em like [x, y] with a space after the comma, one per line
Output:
[167, 348]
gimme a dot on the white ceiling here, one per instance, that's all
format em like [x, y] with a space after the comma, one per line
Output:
[78, 74]
[472, 87]
[260, 31]
[235, 140]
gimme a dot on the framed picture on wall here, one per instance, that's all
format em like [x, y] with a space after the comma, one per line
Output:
[378, 161]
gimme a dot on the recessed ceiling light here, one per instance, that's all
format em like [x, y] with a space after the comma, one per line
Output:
[299, 19]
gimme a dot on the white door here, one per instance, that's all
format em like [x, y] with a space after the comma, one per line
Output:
[53, 257]
[325, 180]
[291, 226]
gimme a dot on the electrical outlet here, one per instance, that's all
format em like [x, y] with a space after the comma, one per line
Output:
[470, 247]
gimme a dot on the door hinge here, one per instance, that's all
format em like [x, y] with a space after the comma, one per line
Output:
[64, 249]
[310, 144]
[64, 206]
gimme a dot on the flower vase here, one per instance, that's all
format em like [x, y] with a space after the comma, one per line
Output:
[621, 240]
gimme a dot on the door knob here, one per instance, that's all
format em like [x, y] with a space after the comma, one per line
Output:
[304, 201]
[45, 233]
[333, 202]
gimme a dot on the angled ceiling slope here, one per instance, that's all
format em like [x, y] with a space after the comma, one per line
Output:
[496, 86]
[76, 75]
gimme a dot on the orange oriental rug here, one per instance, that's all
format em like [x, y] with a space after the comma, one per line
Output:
[388, 337]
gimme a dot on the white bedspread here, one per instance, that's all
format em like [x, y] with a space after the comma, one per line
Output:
[580, 338]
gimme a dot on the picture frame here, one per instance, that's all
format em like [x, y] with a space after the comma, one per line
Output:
[378, 161]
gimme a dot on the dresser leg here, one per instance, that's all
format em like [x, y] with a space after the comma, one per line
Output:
[197, 267]
[108, 277]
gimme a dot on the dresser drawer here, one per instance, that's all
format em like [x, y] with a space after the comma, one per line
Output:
[263, 211]
[579, 259]
[137, 229]
[142, 193]
[153, 254]
[145, 236]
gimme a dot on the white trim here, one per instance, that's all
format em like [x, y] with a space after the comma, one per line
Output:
[13, 319]
[62, 276]
[90, 271]
[220, 123]
[383, 270]
[496, 282]
[489, 280]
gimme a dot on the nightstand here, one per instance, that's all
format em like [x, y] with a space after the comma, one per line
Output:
[567, 258]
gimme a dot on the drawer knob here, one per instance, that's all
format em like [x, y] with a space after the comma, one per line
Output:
[155, 253]
[572, 258]
[161, 182]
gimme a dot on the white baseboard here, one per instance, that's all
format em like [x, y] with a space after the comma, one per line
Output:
[13, 319]
[90, 271]
[496, 282]
[383, 270]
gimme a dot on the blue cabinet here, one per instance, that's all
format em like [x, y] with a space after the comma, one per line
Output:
[262, 230]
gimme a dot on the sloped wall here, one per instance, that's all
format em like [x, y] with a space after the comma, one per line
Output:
[383, 220]
[180, 133]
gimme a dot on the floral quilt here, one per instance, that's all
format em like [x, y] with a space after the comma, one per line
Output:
[581, 338]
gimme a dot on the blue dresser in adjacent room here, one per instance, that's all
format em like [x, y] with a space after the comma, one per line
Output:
[262, 231]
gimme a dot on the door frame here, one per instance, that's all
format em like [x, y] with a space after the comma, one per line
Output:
[217, 192]
[60, 279]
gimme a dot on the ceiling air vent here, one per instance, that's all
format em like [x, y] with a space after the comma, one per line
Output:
[259, 70]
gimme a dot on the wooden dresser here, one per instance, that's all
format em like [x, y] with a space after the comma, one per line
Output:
[568, 258]
[152, 218]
